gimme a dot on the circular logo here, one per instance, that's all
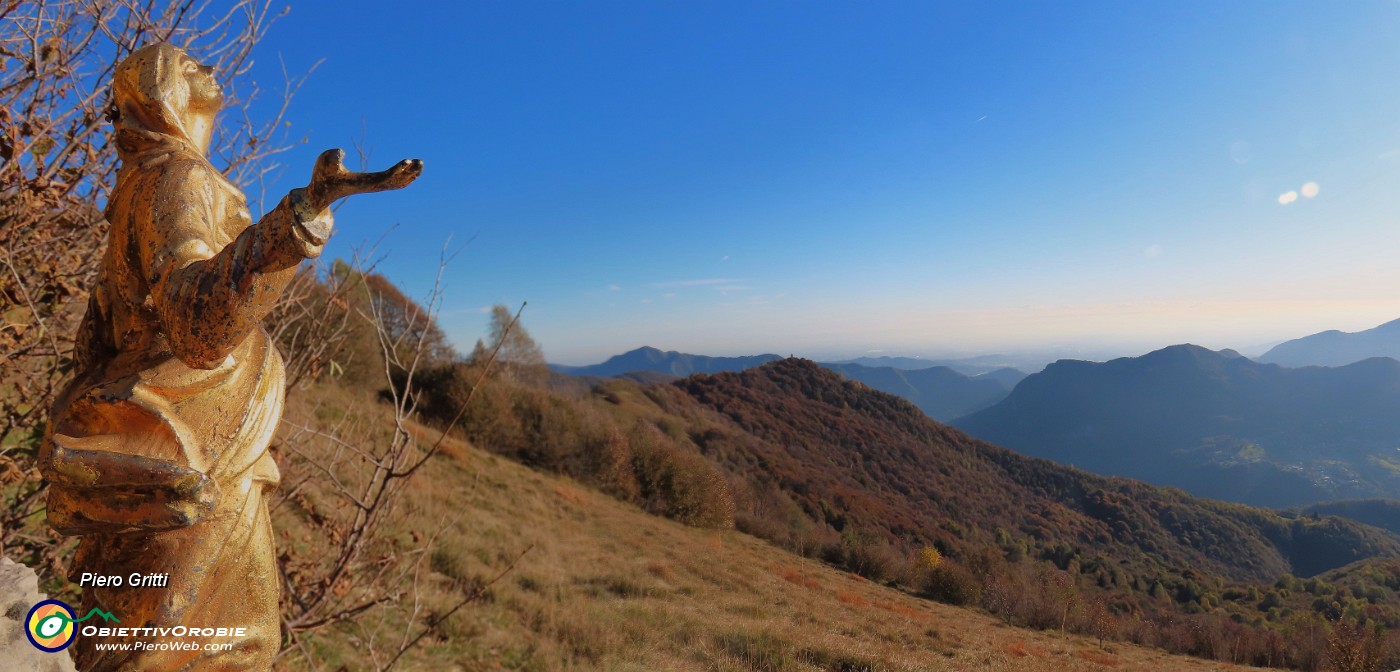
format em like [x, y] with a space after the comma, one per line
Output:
[50, 626]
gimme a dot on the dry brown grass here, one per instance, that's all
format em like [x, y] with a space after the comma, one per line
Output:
[1098, 658]
[794, 576]
[1019, 649]
[605, 586]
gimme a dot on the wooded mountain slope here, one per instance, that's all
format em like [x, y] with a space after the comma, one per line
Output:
[859, 459]
[1213, 423]
[829, 468]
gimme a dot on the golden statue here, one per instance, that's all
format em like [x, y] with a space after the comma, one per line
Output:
[157, 450]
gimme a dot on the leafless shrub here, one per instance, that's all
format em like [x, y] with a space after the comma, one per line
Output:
[57, 163]
[347, 477]
[321, 329]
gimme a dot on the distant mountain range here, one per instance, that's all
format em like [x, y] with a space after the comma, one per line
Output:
[668, 362]
[969, 366]
[941, 392]
[1030, 360]
[1215, 424]
[1337, 348]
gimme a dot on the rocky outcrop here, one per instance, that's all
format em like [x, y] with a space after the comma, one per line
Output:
[19, 590]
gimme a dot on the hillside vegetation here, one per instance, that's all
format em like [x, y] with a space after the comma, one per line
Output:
[1381, 513]
[835, 471]
[590, 583]
[941, 392]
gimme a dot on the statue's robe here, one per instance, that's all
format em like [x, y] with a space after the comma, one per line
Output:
[174, 377]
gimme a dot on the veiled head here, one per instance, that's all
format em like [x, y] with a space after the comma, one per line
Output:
[161, 88]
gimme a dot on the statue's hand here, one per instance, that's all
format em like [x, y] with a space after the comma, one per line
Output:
[118, 509]
[94, 491]
[330, 181]
[201, 491]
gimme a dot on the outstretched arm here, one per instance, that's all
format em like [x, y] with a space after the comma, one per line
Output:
[330, 182]
[209, 301]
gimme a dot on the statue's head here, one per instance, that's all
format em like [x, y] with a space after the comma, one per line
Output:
[161, 88]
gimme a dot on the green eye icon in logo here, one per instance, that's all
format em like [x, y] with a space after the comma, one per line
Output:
[49, 625]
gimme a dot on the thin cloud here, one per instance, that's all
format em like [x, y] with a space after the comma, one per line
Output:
[702, 282]
[763, 299]
[1152, 250]
[614, 288]
[1287, 197]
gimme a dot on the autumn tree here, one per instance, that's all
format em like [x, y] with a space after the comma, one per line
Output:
[520, 357]
[1353, 647]
[408, 324]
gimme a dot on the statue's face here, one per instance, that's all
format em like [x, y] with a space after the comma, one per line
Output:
[205, 94]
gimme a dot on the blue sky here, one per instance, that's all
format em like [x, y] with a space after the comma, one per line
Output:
[832, 179]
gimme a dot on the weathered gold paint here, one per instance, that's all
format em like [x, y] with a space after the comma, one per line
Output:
[156, 452]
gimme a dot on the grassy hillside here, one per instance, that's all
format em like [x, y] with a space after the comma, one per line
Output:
[833, 470]
[602, 585]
